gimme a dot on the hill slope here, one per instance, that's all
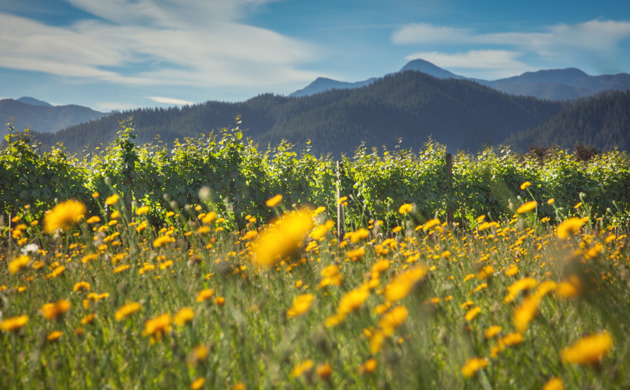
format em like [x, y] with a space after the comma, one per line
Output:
[602, 121]
[42, 117]
[460, 114]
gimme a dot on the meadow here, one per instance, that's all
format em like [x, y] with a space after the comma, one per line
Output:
[112, 288]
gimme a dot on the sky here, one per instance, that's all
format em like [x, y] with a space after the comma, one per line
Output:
[124, 54]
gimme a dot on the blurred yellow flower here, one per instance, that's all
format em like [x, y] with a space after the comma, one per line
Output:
[184, 316]
[13, 323]
[553, 384]
[18, 263]
[473, 365]
[126, 310]
[198, 383]
[63, 216]
[525, 185]
[405, 208]
[157, 327]
[205, 294]
[400, 286]
[527, 207]
[301, 304]
[393, 319]
[281, 238]
[569, 227]
[111, 199]
[302, 367]
[54, 310]
[142, 210]
[588, 350]
[273, 202]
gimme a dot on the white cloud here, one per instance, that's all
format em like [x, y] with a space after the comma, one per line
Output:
[477, 63]
[419, 33]
[173, 101]
[157, 42]
[563, 44]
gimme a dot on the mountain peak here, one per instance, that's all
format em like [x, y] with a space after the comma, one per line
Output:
[424, 66]
[33, 101]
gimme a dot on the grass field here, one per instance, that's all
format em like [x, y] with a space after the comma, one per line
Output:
[110, 302]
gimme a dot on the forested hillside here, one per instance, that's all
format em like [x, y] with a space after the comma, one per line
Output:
[410, 105]
[602, 122]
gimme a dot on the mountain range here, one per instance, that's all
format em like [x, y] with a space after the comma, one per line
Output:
[554, 84]
[37, 115]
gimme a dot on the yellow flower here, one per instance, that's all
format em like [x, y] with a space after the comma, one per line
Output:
[405, 209]
[492, 331]
[157, 327]
[63, 216]
[93, 220]
[402, 284]
[18, 263]
[198, 354]
[393, 319]
[81, 286]
[301, 304]
[88, 319]
[369, 366]
[569, 288]
[321, 230]
[551, 201]
[273, 202]
[13, 323]
[525, 185]
[569, 227]
[431, 223]
[158, 242]
[527, 207]
[352, 300]
[485, 272]
[473, 365]
[472, 313]
[142, 210]
[331, 276]
[588, 350]
[553, 384]
[126, 310]
[184, 316]
[219, 301]
[198, 383]
[54, 336]
[525, 312]
[302, 367]
[324, 371]
[111, 199]
[205, 294]
[121, 268]
[54, 310]
[281, 238]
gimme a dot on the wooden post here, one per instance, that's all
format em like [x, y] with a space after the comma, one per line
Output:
[340, 214]
[449, 188]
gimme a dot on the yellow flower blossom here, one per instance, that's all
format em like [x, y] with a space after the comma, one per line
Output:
[473, 365]
[63, 216]
[301, 304]
[13, 324]
[527, 207]
[126, 310]
[588, 350]
[273, 202]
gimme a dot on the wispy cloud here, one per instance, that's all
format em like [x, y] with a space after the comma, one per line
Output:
[157, 42]
[590, 42]
[173, 101]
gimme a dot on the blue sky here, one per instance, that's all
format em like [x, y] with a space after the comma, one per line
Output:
[123, 54]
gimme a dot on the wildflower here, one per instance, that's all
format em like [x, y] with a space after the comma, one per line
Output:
[569, 288]
[402, 284]
[342, 200]
[369, 366]
[54, 336]
[111, 199]
[121, 268]
[492, 331]
[198, 354]
[527, 207]
[281, 238]
[551, 201]
[18, 263]
[324, 371]
[157, 327]
[588, 350]
[52, 311]
[393, 319]
[158, 242]
[126, 310]
[358, 235]
[405, 209]
[219, 301]
[302, 367]
[431, 223]
[331, 276]
[198, 383]
[485, 272]
[184, 316]
[205, 295]
[525, 185]
[93, 220]
[142, 210]
[63, 216]
[352, 300]
[569, 227]
[472, 313]
[525, 312]
[473, 365]
[301, 304]
[376, 341]
[553, 384]
[273, 202]
[88, 319]
[81, 286]
[321, 230]
[513, 270]
[13, 324]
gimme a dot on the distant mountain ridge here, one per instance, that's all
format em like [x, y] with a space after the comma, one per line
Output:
[551, 84]
[37, 115]
[460, 114]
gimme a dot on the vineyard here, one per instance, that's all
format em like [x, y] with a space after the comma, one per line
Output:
[212, 264]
